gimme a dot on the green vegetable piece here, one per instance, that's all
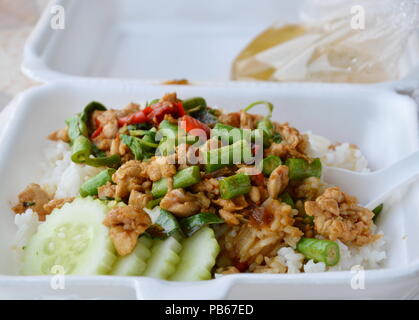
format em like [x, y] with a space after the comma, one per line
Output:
[266, 124]
[238, 152]
[78, 132]
[88, 110]
[151, 102]
[137, 133]
[135, 146]
[134, 263]
[165, 124]
[227, 133]
[80, 149]
[286, 198]
[269, 164]
[97, 152]
[268, 131]
[139, 147]
[300, 169]
[168, 136]
[153, 203]
[164, 258]
[78, 124]
[234, 186]
[111, 161]
[197, 257]
[182, 179]
[192, 224]
[268, 104]
[148, 143]
[76, 128]
[377, 211]
[194, 103]
[89, 188]
[169, 224]
[320, 250]
[86, 248]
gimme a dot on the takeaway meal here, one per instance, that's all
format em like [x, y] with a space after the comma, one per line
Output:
[182, 191]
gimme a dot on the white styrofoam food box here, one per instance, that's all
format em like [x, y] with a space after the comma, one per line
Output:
[152, 41]
[162, 40]
[375, 119]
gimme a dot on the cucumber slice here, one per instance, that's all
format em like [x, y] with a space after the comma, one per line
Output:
[197, 256]
[164, 258]
[72, 238]
[135, 263]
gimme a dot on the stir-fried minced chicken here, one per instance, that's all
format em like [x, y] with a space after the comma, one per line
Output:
[108, 122]
[33, 197]
[184, 204]
[125, 225]
[107, 191]
[338, 216]
[139, 200]
[293, 143]
[278, 181]
[275, 210]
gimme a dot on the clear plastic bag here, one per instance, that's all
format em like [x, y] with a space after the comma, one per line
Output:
[337, 41]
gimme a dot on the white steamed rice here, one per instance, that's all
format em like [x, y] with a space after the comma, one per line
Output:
[343, 155]
[63, 178]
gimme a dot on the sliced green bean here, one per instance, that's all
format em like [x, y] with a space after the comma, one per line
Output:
[165, 225]
[238, 152]
[90, 187]
[224, 132]
[300, 169]
[234, 186]
[192, 224]
[286, 198]
[182, 179]
[153, 203]
[81, 149]
[111, 161]
[320, 250]
[377, 210]
[168, 136]
[269, 164]
[168, 222]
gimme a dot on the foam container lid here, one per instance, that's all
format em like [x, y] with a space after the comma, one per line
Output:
[154, 41]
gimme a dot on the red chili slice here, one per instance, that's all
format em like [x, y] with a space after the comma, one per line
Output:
[180, 110]
[97, 132]
[154, 113]
[138, 117]
[189, 123]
